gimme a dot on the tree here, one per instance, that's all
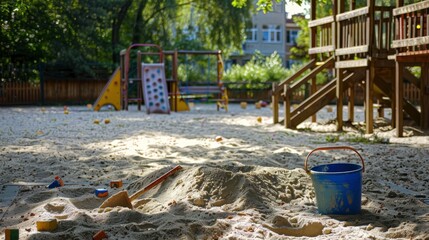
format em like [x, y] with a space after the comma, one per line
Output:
[217, 24]
[264, 5]
[75, 33]
[300, 50]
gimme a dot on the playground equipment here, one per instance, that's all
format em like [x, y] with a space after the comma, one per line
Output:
[127, 85]
[155, 88]
[110, 93]
[182, 89]
[360, 48]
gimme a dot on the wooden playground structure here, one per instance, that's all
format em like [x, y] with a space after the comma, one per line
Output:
[117, 90]
[366, 44]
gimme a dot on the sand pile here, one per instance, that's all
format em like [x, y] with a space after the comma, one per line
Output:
[250, 184]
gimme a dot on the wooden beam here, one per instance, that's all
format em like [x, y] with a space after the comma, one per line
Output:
[352, 14]
[340, 95]
[327, 64]
[351, 103]
[411, 8]
[321, 21]
[306, 67]
[410, 42]
[287, 106]
[424, 97]
[369, 93]
[399, 92]
[410, 77]
[324, 49]
[415, 56]
[352, 63]
[275, 103]
[352, 50]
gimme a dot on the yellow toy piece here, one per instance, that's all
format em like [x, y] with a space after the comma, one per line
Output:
[182, 105]
[111, 93]
[47, 225]
[223, 103]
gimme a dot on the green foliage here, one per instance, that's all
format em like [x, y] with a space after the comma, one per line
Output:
[332, 138]
[300, 50]
[416, 71]
[197, 74]
[367, 140]
[256, 72]
[73, 34]
[263, 5]
[260, 71]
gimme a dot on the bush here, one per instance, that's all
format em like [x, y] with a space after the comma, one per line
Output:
[257, 72]
[261, 70]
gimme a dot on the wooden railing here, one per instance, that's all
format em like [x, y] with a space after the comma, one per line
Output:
[290, 87]
[353, 35]
[357, 37]
[383, 34]
[412, 27]
[323, 34]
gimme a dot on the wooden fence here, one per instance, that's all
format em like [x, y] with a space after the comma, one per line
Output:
[72, 91]
[19, 93]
[76, 91]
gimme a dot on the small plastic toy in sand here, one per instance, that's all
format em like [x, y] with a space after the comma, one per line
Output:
[243, 105]
[58, 182]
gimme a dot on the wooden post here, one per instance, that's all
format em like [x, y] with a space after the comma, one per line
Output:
[313, 38]
[123, 82]
[175, 87]
[351, 104]
[393, 100]
[219, 71]
[369, 93]
[424, 96]
[399, 96]
[287, 106]
[139, 81]
[313, 91]
[339, 8]
[275, 103]
[340, 96]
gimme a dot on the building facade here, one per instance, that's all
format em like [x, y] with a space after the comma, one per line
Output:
[270, 32]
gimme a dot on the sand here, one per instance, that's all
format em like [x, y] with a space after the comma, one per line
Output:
[247, 184]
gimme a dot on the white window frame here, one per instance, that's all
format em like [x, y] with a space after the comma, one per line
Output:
[271, 33]
[253, 32]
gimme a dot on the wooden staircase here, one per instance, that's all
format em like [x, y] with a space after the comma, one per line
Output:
[385, 90]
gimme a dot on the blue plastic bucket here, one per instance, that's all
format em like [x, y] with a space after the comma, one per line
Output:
[338, 186]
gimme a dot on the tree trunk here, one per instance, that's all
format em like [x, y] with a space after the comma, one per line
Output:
[138, 24]
[116, 27]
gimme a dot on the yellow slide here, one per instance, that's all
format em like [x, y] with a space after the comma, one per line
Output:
[111, 93]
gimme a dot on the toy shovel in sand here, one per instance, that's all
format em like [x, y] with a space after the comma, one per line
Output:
[121, 198]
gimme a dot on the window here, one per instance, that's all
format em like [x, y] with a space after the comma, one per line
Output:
[252, 34]
[271, 33]
[291, 36]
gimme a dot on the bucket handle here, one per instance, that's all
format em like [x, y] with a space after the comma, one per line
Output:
[333, 148]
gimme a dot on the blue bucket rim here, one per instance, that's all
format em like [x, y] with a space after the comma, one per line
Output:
[332, 148]
[336, 173]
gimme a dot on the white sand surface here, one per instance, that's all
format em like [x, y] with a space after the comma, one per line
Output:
[249, 185]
